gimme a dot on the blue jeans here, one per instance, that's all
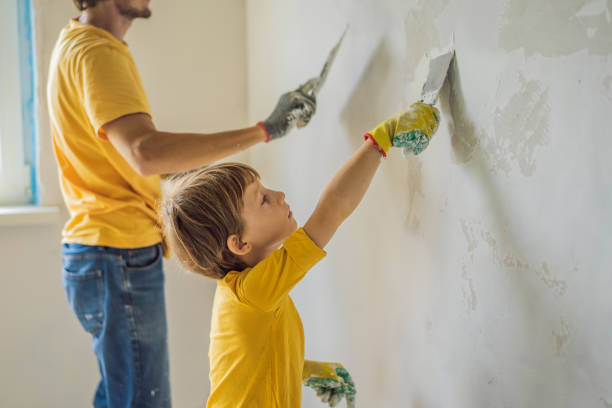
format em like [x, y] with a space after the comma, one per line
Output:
[118, 297]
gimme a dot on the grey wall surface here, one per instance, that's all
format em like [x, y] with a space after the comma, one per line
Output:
[479, 273]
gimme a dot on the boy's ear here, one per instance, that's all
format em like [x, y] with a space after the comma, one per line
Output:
[237, 246]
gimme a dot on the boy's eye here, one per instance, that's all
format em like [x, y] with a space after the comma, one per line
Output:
[264, 199]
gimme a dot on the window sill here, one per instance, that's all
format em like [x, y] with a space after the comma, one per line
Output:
[28, 215]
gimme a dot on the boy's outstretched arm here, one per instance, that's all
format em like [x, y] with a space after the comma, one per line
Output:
[347, 188]
[343, 194]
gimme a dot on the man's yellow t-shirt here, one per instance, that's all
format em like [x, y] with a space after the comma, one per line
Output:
[93, 80]
[256, 336]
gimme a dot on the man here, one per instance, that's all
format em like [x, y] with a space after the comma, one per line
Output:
[110, 157]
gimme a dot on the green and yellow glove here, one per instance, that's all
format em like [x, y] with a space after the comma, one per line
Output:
[411, 129]
[330, 381]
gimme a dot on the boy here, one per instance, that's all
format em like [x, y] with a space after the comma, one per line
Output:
[223, 223]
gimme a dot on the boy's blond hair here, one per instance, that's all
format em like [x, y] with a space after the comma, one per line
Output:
[200, 210]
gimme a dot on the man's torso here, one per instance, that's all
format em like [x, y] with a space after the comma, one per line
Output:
[92, 81]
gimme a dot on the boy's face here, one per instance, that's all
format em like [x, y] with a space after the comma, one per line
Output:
[268, 220]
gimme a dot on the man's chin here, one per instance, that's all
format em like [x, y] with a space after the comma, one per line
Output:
[146, 13]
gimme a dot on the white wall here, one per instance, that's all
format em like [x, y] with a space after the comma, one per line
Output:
[478, 274]
[192, 59]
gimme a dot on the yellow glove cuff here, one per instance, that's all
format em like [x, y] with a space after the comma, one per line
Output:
[319, 369]
[381, 137]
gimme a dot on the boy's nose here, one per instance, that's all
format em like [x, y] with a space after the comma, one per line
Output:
[281, 196]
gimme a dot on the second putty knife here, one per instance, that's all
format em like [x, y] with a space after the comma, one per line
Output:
[438, 68]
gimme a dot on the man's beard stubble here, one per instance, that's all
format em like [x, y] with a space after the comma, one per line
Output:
[133, 13]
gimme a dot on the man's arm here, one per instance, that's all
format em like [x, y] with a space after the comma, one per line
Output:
[150, 151]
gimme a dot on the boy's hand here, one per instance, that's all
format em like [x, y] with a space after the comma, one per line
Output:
[293, 108]
[411, 129]
[331, 382]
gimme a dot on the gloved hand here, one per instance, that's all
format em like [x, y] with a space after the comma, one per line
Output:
[331, 382]
[293, 108]
[411, 129]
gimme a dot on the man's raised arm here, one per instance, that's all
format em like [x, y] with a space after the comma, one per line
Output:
[150, 151]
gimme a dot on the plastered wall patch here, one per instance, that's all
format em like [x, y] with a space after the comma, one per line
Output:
[607, 87]
[520, 127]
[469, 293]
[561, 338]
[418, 26]
[501, 255]
[465, 133]
[470, 298]
[414, 169]
[557, 28]
[594, 8]
[553, 283]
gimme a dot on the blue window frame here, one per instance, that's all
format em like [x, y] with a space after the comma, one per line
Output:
[29, 84]
[18, 123]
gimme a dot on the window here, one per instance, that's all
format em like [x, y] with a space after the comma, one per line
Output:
[17, 104]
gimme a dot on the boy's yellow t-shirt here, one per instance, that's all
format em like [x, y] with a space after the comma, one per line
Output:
[93, 80]
[256, 335]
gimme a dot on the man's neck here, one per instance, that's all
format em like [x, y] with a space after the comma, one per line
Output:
[106, 16]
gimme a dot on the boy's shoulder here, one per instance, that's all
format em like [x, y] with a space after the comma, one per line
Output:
[301, 247]
[265, 285]
[298, 246]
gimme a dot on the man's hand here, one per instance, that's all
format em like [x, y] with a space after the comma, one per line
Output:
[293, 108]
[330, 381]
[411, 129]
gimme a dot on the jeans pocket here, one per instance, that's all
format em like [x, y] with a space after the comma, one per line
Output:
[85, 290]
[144, 270]
[144, 258]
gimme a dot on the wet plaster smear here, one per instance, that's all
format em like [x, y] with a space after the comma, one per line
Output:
[479, 273]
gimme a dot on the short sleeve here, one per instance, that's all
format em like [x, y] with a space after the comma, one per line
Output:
[270, 281]
[112, 86]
